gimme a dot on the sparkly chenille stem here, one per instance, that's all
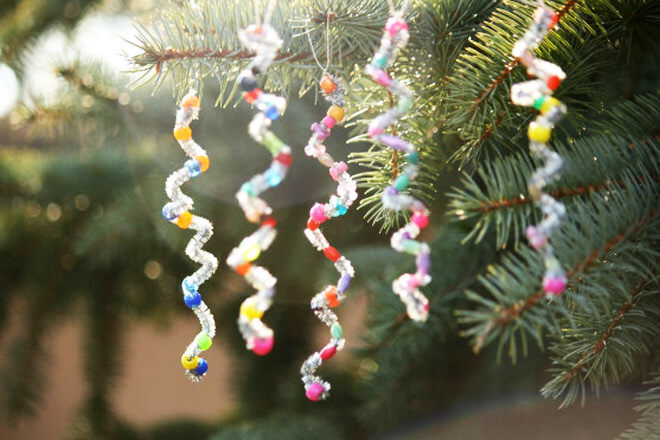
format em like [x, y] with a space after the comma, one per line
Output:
[407, 285]
[538, 93]
[331, 296]
[178, 212]
[264, 41]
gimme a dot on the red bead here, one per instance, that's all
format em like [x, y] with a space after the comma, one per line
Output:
[553, 82]
[554, 21]
[328, 352]
[251, 96]
[312, 225]
[331, 253]
[284, 159]
[331, 297]
[269, 221]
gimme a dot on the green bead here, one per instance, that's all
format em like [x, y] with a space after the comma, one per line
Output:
[379, 61]
[203, 341]
[336, 331]
[411, 247]
[404, 104]
[247, 188]
[539, 102]
[401, 182]
[413, 157]
[272, 142]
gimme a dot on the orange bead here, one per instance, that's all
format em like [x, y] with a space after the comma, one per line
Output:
[184, 220]
[182, 133]
[203, 163]
[336, 113]
[331, 296]
[243, 268]
[191, 101]
[328, 85]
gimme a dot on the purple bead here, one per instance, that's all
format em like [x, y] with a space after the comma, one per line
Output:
[423, 262]
[322, 133]
[343, 283]
[406, 235]
[394, 142]
[391, 191]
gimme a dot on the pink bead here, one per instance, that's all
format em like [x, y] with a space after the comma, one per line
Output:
[536, 240]
[554, 285]
[328, 352]
[314, 391]
[317, 213]
[382, 78]
[329, 121]
[337, 169]
[263, 346]
[426, 307]
[374, 129]
[413, 282]
[395, 24]
[420, 220]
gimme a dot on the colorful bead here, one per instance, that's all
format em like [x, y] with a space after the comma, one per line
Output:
[379, 60]
[343, 283]
[272, 142]
[190, 101]
[243, 268]
[336, 331]
[554, 285]
[189, 363]
[548, 104]
[328, 352]
[336, 113]
[328, 85]
[404, 104]
[184, 220]
[251, 251]
[192, 299]
[203, 341]
[250, 310]
[317, 213]
[538, 102]
[203, 163]
[194, 167]
[314, 391]
[538, 133]
[248, 84]
[252, 96]
[182, 133]
[328, 121]
[401, 182]
[202, 367]
[284, 159]
[420, 219]
[263, 346]
[553, 82]
[331, 253]
[331, 296]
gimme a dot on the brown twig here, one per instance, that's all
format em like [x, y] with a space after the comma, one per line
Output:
[607, 334]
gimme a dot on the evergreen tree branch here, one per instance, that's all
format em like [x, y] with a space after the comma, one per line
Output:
[648, 425]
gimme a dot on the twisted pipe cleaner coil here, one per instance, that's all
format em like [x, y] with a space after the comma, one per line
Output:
[265, 42]
[407, 285]
[332, 295]
[178, 212]
[538, 93]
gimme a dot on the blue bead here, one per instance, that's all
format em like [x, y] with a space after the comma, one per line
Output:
[202, 367]
[343, 283]
[192, 299]
[341, 209]
[413, 157]
[273, 177]
[272, 113]
[188, 286]
[168, 213]
[248, 188]
[194, 167]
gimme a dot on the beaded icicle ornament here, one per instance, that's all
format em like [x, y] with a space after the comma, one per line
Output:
[331, 296]
[407, 285]
[178, 212]
[538, 93]
[264, 41]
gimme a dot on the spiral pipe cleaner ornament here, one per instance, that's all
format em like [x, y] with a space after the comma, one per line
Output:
[264, 41]
[331, 296]
[407, 285]
[538, 93]
[178, 212]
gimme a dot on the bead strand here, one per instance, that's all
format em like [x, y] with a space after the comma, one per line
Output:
[178, 212]
[332, 295]
[264, 41]
[407, 285]
[537, 93]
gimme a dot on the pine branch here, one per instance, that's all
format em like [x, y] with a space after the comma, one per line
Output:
[497, 195]
[648, 425]
[619, 239]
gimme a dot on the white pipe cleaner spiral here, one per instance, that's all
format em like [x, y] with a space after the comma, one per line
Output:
[538, 93]
[178, 212]
[331, 296]
[407, 285]
[264, 41]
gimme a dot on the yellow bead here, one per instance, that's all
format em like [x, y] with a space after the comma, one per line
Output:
[249, 309]
[548, 103]
[203, 163]
[336, 113]
[182, 133]
[191, 101]
[538, 133]
[252, 252]
[189, 363]
[184, 220]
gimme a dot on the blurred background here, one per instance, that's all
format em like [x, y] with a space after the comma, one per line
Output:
[91, 321]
